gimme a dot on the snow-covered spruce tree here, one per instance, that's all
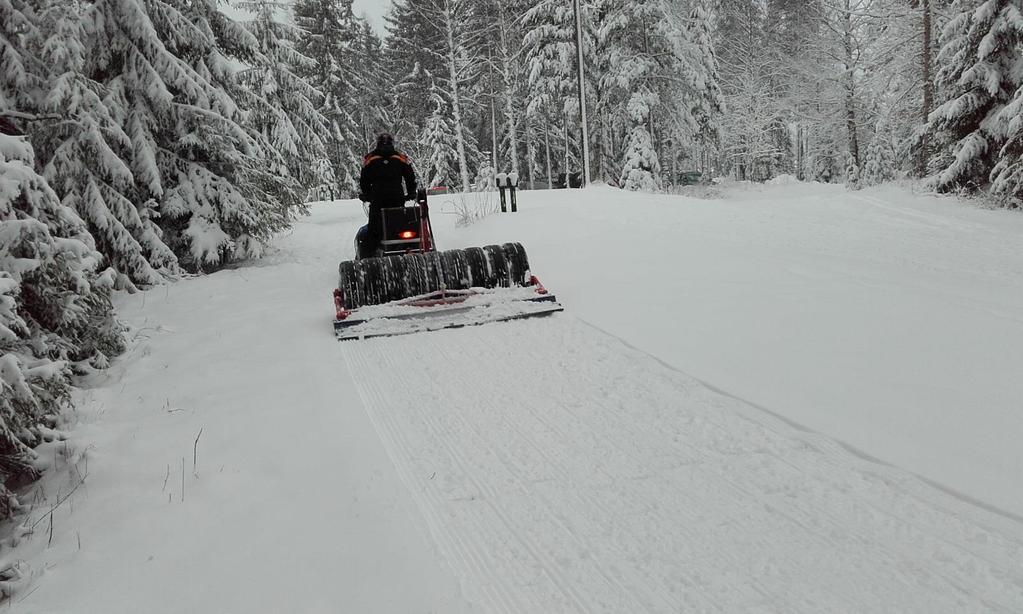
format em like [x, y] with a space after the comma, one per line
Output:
[1007, 176]
[457, 45]
[749, 132]
[505, 77]
[881, 162]
[226, 181]
[978, 70]
[55, 312]
[152, 155]
[440, 168]
[700, 68]
[692, 106]
[549, 54]
[332, 39]
[641, 167]
[87, 155]
[287, 107]
[645, 71]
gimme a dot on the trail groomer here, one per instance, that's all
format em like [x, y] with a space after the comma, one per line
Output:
[387, 180]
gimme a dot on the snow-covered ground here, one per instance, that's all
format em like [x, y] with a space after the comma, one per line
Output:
[690, 435]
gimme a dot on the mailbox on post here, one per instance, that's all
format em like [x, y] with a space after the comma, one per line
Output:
[502, 185]
[508, 182]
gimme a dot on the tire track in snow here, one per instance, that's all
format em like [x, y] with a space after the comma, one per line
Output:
[576, 474]
[799, 516]
[467, 557]
[503, 472]
[548, 464]
[622, 458]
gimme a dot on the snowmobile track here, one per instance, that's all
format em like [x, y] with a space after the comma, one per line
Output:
[559, 470]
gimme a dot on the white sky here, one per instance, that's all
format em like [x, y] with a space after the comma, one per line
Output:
[374, 10]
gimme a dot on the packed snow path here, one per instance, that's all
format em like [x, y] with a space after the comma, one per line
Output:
[562, 471]
[574, 463]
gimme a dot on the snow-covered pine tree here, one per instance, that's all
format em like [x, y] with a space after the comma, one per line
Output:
[457, 46]
[852, 173]
[332, 38]
[373, 93]
[411, 63]
[287, 107]
[55, 312]
[978, 70]
[245, 198]
[506, 77]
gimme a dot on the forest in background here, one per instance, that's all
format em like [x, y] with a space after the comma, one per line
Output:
[142, 139]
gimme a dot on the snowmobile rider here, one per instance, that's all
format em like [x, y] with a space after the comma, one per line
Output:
[387, 180]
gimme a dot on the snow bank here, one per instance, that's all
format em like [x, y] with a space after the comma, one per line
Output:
[881, 318]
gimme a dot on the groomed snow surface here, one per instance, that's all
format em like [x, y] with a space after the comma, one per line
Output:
[793, 399]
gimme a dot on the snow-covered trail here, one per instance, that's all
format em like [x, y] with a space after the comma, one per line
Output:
[562, 471]
[571, 463]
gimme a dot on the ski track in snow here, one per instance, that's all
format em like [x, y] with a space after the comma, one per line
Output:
[561, 471]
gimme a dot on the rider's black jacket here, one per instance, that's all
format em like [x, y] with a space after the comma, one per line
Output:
[387, 179]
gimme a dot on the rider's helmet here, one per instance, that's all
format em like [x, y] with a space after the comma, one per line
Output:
[385, 141]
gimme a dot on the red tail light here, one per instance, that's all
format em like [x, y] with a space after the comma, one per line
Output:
[408, 234]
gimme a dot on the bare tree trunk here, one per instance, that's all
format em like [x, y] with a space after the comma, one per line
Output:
[799, 151]
[568, 178]
[850, 86]
[456, 103]
[674, 163]
[530, 137]
[547, 143]
[510, 116]
[493, 135]
[925, 73]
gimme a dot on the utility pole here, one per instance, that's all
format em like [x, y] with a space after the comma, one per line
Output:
[582, 94]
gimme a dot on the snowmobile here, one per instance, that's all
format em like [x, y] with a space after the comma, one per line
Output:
[408, 286]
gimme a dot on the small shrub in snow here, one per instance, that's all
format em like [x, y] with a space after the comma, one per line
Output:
[783, 179]
[852, 174]
[471, 207]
